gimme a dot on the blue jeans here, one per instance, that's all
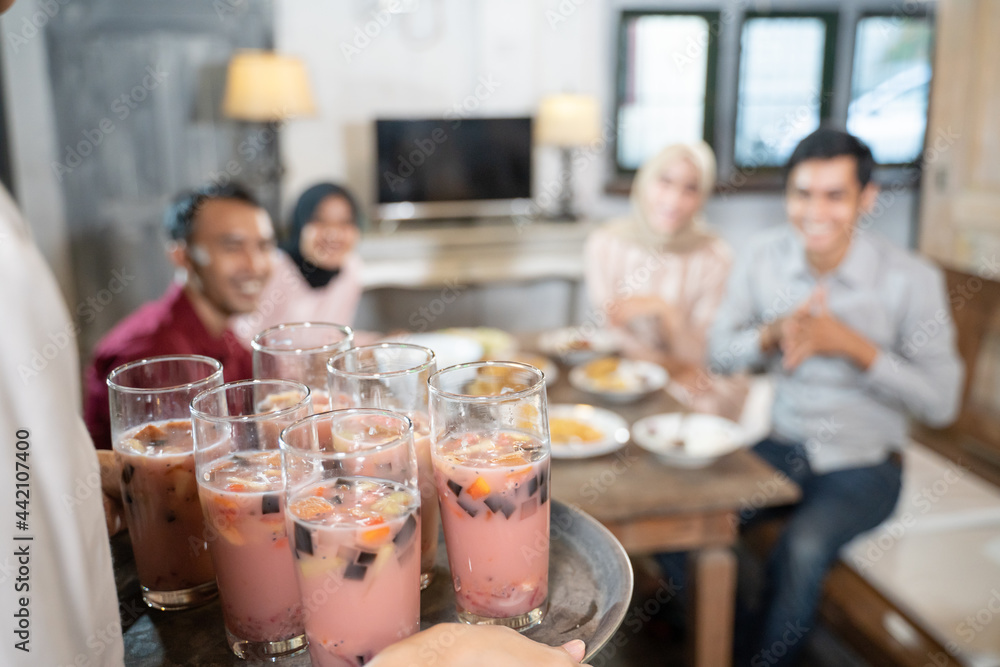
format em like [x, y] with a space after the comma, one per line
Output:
[835, 507]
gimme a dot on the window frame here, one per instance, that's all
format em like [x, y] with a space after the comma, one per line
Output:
[831, 22]
[896, 172]
[711, 75]
[726, 19]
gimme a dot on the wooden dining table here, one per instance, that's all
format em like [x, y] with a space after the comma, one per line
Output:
[652, 507]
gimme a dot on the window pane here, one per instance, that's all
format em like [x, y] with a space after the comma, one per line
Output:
[663, 100]
[892, 74]
[781, 81]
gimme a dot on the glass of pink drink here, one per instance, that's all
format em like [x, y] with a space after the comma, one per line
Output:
[393, 376]
[238, 461]
[354, 517]
[490, 450]
[151, 433]
[299, 351]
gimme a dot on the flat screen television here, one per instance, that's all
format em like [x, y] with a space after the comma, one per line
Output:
[448, 168]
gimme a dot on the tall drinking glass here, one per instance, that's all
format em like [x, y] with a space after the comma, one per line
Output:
[151, 433]
[393, 376]
[490, 449]
[354, 515]
[299, 351]
[238, 461]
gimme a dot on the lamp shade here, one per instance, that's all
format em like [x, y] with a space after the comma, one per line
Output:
[264, 86]
[568, 120]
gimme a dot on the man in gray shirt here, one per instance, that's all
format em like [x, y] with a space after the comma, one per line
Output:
[859, 336]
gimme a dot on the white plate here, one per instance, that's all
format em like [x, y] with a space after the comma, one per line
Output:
[449, 350]
[575, 346]
[495, 342]
[612, 426]
[706, 438]
[641, 378]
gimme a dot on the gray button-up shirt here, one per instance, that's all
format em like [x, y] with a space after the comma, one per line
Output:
[845, 416]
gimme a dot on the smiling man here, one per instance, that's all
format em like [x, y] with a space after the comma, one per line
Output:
[835, 312]
[222, 240]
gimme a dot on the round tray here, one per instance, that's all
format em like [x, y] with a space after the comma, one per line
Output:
[590, 585]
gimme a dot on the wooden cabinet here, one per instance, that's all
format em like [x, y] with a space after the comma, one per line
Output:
[960, 206]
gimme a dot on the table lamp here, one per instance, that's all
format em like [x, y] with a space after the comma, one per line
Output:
[567, 122]
[265, 87]
[262, 86]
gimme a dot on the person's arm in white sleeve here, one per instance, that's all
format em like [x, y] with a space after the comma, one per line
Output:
[58, 585]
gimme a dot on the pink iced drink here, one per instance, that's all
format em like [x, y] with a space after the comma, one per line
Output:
[244, 512]
[429, 515]
[494, 494]
[355, 541]
[164, 517]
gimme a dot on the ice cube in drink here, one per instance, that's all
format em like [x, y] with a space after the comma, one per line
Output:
[160, 493]
[243, 500]
[357, 552]
[494, 492]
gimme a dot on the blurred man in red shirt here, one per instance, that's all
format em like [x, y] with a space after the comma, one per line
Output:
[222, 239]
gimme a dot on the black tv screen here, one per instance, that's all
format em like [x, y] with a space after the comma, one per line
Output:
[450, 160]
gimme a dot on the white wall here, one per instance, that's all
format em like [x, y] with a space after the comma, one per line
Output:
[486, 57]
[427, 62]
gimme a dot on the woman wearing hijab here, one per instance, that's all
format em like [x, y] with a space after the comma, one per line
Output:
[316, 273]
[660, 274]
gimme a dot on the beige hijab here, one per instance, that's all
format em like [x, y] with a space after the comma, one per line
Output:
[637, 229]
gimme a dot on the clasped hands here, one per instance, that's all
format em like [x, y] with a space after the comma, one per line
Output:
[813, 331]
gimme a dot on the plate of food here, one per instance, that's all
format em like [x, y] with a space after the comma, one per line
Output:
[689, 440]
[582, 431]
[618, 380]
[576, 345]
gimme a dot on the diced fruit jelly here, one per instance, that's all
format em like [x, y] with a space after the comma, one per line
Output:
[358, 566]
[244, 511]
[494, 493]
